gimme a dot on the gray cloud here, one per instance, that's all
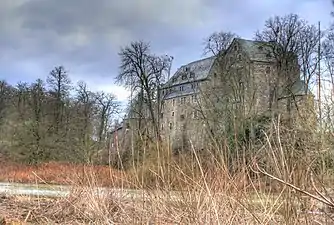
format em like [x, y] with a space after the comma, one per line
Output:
[85, 35]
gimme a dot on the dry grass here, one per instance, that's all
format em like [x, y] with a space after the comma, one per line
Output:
[62, 173]
[279, 186]
[206, 204]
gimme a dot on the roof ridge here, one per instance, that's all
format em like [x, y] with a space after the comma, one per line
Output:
[196, 61]
[250, 40]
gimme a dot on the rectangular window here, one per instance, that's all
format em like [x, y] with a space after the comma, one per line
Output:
[183, 100]
[195, 114]
[173, 102]
[181, 88]
[193, 98]
[162, 126]
[161, 115]
[182, 117]
[192, 74]
[170, 126]
[173, 113]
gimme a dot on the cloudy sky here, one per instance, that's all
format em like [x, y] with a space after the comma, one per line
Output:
[85, 35]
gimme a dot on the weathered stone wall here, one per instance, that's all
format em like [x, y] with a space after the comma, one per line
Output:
[236, 87]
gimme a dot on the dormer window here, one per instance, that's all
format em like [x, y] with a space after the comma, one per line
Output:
[184, 76]
[192, 74]
[187, 69]
[174, 79]
[235, 47]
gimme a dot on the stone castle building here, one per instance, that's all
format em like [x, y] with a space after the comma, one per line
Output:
[205, 96]
[208, 96]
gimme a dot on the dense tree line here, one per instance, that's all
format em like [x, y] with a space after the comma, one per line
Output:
[54, 120]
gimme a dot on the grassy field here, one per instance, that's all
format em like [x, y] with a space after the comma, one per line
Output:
[280, 184]
[214, 197]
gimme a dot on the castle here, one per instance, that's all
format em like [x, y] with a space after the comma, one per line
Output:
[244, 81]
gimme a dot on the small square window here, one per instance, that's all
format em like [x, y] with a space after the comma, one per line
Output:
[182, 117]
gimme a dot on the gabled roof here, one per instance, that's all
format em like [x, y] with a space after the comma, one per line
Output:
[256, 50]
[200, 70]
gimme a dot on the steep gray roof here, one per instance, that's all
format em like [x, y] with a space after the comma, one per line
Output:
[198, 69]
[257, 50]
[188, 89]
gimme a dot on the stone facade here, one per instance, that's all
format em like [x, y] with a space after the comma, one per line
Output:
[243, 80]
[203, 97]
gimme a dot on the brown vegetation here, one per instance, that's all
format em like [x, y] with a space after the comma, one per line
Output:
[60, 173]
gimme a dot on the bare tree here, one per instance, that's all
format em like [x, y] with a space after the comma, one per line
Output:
[107, 106]
[291, 41]
[218, 42]
[4, 95]
[328, 50]
[143, 72]
[85, 108]
[60, 85]
[35, 136]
